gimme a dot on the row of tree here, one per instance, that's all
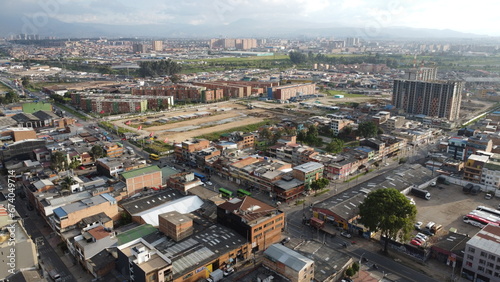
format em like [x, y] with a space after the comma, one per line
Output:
[10, 97]
[299, 58]
[60, 162]
[159, 68]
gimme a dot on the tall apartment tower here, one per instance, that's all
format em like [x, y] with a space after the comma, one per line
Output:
[157, 45]
[425, 74]
[431, 98]
[352, 42]
[138, 48]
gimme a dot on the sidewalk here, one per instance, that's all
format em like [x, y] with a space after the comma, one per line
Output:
[76, 269]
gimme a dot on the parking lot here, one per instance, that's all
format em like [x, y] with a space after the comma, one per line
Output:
[448, 205]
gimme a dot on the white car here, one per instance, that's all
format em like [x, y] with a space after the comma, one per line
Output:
[346, 234]
[421, 236]
[208, 183]
[418, 225]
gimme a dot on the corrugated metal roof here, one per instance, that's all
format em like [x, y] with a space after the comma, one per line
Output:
[288, 257]
[60, 213]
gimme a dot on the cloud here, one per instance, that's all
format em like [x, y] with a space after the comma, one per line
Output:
[441, 14]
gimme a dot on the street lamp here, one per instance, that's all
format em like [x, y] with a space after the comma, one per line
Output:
[361, 258]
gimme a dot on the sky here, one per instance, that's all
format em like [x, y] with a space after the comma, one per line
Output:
[480, 17]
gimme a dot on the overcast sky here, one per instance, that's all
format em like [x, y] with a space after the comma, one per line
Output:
[480, 17]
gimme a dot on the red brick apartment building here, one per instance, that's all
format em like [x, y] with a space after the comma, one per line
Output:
[182, 92]
[260, 223]
[286, 92]
[138, 179]
[120, 103]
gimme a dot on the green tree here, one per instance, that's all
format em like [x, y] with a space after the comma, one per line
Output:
[11, 97]
[367, 129]
[336, 146]
[388, 211]
[265, 133]
[297, 57]
[66, 183]
[319, 184]
[25, 81]
[350, 272]
[58, 161]
[74, 164]
[97, 152]
[355, 267]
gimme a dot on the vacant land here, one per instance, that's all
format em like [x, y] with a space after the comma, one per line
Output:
[226, 116]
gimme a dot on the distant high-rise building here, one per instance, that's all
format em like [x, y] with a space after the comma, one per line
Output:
[432, 98]
[229, 43]
[157, 45]
[138, 48]
[352, 42]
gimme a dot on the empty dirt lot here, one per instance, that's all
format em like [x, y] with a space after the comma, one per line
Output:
[227, 115]
[447, 206]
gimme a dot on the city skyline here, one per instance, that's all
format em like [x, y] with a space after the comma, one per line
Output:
[368, 16]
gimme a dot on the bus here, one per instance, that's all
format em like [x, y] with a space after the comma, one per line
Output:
[489, 210]
[154, 157]
[478, 221]
[200, 176]
[485, 215]
[225, 193]
[243, 193]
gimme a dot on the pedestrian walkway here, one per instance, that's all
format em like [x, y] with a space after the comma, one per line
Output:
[80, 274]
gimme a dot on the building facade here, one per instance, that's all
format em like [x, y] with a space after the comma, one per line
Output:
[482, 256]
[431, 98]
[258, 222]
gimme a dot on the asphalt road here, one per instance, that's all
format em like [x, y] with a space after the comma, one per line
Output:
[48, 258]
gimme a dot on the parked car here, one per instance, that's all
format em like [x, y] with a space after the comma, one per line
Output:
[421, 235]
[488, 196]
[467, 188]
[208, 183]
[228, 271]
[418, 225]
[475, 190]
[415, 242]
[286, 240]
[345, 234]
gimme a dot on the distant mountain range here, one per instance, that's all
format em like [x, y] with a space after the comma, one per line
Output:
[241, 28]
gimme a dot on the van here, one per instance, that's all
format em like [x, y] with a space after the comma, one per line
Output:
[467, 188]
[475, 190]
[436, 228]
[430, 225]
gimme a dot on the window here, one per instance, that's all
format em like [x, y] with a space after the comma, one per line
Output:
[497, 274]
[489, 272]
[482, 261]
[491, 257]
[471, 257]
[469, 263]
[472, 250]
[483, 254]
[480, 268]
[490, 265]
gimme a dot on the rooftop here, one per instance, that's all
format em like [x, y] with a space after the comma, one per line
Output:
[288, 257]
[487, 239]
[308, 167]
[137, 204]
[140, 171]
[248, 208]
